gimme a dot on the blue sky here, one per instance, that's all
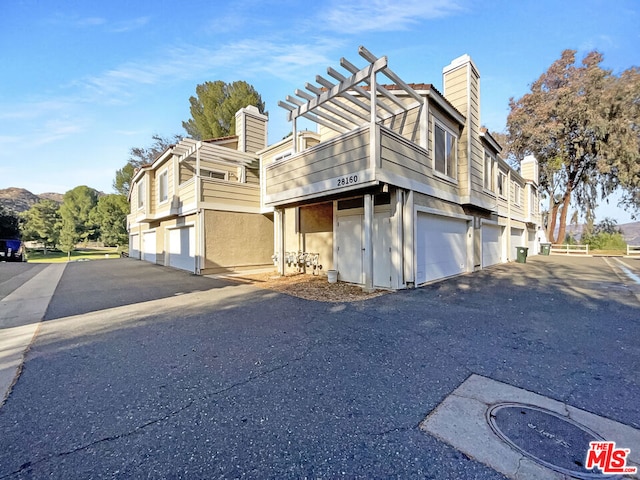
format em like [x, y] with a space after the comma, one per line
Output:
[83, 81]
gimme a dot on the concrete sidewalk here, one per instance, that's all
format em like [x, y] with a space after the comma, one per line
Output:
[20, 314]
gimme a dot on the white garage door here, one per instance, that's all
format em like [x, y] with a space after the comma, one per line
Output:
[517, 240]
[491, 251]
[531, 243]
[441, 250]
[149, 247]
[182, 248]
[134, 246]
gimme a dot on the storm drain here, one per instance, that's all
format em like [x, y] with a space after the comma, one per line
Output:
[547, 438]
[524, 435]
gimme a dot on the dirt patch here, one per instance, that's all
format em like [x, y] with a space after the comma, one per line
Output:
[308, 287]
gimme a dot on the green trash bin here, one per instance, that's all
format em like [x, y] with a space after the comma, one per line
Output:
[545, 248]
[521, 254]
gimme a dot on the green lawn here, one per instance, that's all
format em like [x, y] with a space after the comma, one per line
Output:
[56, 256]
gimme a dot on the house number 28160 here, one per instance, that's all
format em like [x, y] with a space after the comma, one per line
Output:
[347, 180]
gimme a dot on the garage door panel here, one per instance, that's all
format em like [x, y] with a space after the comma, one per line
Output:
[182, 248]
[441, 247]
[149, 247]
[517, 240]
[134, 246]
[491, 251]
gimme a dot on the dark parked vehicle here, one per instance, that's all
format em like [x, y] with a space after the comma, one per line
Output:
[12, 251]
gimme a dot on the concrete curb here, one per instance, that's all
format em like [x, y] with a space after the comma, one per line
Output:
[20, 315]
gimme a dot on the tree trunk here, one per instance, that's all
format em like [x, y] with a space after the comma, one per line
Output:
[563, 216]
[551, 223]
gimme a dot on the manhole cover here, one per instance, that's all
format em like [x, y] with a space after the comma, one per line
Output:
[545, 437]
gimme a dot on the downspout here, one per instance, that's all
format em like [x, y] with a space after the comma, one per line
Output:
[509, 206]
[199, 214]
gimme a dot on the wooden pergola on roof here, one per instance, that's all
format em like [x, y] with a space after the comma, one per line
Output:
[190, 149]
[334, 105]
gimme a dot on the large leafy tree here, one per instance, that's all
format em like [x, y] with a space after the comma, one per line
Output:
[580, 121]
[77, 223]
[214, 107]
[9, 224]
[41, 223]
[110, 214]
[139, 156]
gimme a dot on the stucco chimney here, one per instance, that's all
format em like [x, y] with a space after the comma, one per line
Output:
[251, 129]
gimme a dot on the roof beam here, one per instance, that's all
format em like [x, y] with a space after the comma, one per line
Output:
[341, 87]
[362, 91]
[320, 121]
[327, 84]
[387, 72]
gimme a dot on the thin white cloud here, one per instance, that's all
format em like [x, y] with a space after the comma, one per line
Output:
[34, 109]
[52, 131]
[128, 25]
[89, 22]
[384, 15]
[117, 26]
[185, 62]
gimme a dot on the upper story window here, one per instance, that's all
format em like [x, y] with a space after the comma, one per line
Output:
[489, 172]
[445, 158]
[282, 156]
[163, 186]
[141, 193]
[532, 201]
[216, 174]
[517, 193]
[502, 183]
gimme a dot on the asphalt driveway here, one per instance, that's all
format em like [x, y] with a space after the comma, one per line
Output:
[146, 372]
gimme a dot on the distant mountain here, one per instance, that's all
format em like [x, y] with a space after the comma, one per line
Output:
[20, 200]
[630, 232]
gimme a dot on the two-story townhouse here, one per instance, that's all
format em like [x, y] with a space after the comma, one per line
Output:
[400, 185]
[197, 206]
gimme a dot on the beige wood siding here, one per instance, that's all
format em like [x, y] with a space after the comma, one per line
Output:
[186, 194]
[437, 204]
[186, 172]
[153, 201]
[405, 124]
[255, 135]
[401, 157]
[134, 197]
[230, 193]
[323, 162]
[252, 176]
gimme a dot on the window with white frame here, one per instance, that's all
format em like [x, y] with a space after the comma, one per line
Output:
[502, 183]
[489, 172]
[517, 193]
[283, 155]
[163, 186]
[141, 193]
[445, 158]
[216, 174]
